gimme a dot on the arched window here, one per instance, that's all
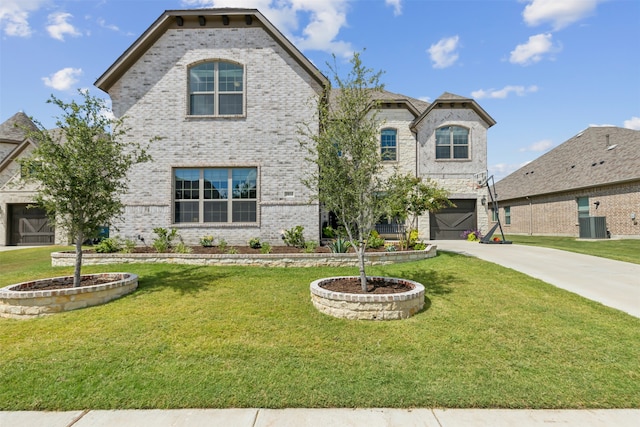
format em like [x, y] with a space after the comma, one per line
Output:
[452, 142]
[216, 89]
[389, 145]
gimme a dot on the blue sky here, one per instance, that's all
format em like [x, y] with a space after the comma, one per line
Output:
[543, 69]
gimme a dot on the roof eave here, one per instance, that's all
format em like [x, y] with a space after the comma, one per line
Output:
[471, 104]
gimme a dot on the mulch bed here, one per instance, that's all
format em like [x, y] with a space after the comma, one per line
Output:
[352, 285]
[67, 283]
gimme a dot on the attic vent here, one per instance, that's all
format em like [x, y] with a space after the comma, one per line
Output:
[288, 194]
[593, 164]
[611, 147]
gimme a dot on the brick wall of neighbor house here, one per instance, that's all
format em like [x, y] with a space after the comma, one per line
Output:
[459, 177]
[153, 94]
[557, 215]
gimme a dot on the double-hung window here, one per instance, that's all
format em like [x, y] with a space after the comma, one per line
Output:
[388, 145]
[216, 89]
[507, 215]
[583, 207]
[215, 195]
[452, 142]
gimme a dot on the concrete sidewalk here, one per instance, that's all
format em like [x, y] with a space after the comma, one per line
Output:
[325, 418]
[613, 283]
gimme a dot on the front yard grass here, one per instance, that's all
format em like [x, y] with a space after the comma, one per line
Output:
[627, 250]
[220, 337]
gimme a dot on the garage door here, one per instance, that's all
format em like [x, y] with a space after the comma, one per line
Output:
[449, 223]
[29, 226]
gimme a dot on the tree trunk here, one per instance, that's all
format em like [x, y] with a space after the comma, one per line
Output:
[363, 277]
[78, 266]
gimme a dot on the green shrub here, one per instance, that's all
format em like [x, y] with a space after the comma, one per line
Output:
[255, 243]
[232, 251]
[339, 246]
[420, 246]
[222, 245]
[294, 237]
[329, 232]
[390, 248]
[129, 246]
[310, 247]
[375, 241]
[265, 248]
[109, 245]
[206, 241]
[181, 248]
[164, 241]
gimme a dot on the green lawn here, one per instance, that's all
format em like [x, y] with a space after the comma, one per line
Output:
[622, 250]
[213, 337]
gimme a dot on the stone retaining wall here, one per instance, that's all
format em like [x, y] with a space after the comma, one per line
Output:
[368, 306]
[33, 303]
[67, 259]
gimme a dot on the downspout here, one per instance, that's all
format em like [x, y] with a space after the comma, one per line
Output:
[530, 216]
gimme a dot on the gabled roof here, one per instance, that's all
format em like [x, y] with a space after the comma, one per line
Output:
[195, 19]
[13, 129]
[450, 100]
[391, 100]
[594, 157]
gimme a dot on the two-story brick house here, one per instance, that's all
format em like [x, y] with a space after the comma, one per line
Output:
[226, 92]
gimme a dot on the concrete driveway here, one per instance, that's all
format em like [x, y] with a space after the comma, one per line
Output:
[613, 283]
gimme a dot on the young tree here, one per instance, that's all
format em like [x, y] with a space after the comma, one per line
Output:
[81, 168]
[346, 158]
[409, 197]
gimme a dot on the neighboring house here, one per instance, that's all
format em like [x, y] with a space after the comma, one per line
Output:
[20, 224]
[589, 186]
[226, 92]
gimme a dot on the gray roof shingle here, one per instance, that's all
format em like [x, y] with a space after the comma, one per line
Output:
[13, 128]
[596, 156]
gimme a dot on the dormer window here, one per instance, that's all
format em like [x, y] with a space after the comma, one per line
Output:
[452, 142]
[216, 89]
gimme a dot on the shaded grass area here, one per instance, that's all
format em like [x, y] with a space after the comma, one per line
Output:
[218, 337]
[627, 250]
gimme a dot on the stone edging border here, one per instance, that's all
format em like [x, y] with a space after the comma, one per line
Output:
[67, 259]
[368, 306]
[33, 303]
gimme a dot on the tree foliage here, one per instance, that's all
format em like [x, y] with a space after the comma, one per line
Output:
[81, 168]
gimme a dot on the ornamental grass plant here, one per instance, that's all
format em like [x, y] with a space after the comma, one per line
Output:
[223, 337]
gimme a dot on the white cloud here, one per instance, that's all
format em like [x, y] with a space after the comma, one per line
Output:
[539, 146]
[104, 24]
[560, 13]
[533, 50]
[63, 79]
[443, 54]
[632, 123]
[58, 26]
[504, 92]
[325, 19]
[14, 16]
[397, 6]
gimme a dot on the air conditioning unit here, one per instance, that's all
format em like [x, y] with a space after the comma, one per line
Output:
[593, 227]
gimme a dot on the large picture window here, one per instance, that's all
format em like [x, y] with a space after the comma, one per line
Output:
[388, 145]
[452, 142]
[215, 195]
[216, 89]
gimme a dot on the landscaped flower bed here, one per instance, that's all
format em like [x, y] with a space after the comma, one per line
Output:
[54, 295]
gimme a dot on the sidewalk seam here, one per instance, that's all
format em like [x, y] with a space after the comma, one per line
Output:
[255, 418]
[78, 418]
[436, 417]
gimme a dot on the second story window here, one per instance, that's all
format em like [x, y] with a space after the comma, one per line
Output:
[388, 145]
[216, 89]
[452, 142]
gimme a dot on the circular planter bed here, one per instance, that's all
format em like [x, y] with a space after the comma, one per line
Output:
[54, 295]
[388, 299]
